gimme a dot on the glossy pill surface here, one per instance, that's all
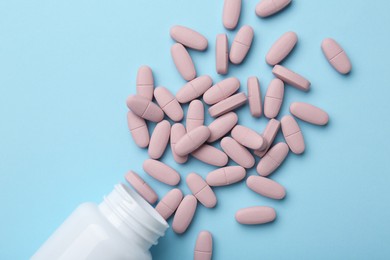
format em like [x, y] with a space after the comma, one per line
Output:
[269, 134]
[192, 140]
[291, 78]
[267, 8]
[273, 159]
[222, 125]
[254, 97]
[184, 214]
[161, 172]
[189, 37]
[231, 13]
[169, 203]
[281, 48]
[222, 54]
[210, 155]
[273, 98]
[204, 246]
[226, 176]
[266, 187]
[177, 132]
[183, 61]
[309, 113]
[159, 139]
[145, 82]
[195, 115]
[255, 215]
[336, 56]
[241, 44]
[227, 105]
[201, 190]
[292, 134]
[141, 187]
[194, 89]
[221, 90]
[144, 108]
[168, 103]
[138, 129]
[248, 137]
[237, 152]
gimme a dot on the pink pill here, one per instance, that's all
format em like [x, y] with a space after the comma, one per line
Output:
[291, 78]
[269, 134]
[266, 187]
[189, 38]
[255, 215]
[184, 214]
[183, 61]
[159, 139]
[169, 203]
[237, 152]
[138, 129]
[281, 48]
[222, 54]
[168, 103]
[254, 97]
[210, 155]
[177, 132]
[231, 13]
[201, 190]
[248, 138]
[227, 105]
[141, 187]
[195, 115]
[221, 90]
[221, 126]
[336, 56]
[241, 44]
[293, 135]
[145, 82]
[194, 89]
[226, 176]
[192, 140]
[267, 8]
[273, 98]
[161, 172]
[204, 246]
[144, 108]
[273, 159]
[309, 113]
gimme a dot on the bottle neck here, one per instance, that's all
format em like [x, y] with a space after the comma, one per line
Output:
[133, 217]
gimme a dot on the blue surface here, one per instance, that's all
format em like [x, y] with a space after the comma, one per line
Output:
[66, 68]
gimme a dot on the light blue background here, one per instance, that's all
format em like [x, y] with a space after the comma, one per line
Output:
[66, 68]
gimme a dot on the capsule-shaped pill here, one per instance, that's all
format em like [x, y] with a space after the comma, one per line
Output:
[221, 126]
[309, 113]
[267, 8]
[138, 129]
[266, 187]
[237, 152]
[145, 82]
[273, 98]
[161, 172]
[273, 159]
[227, 105]
[159, 139]
[177, 132]
[281, 48]
[192, 140]
[221, 90]
[269, 134]
[292, 134]
[184, 214]
[201, 190]
[248, 138]
[183, 61]
[291, 78]
[241, 44]
[255, 215]
[168, 103]
[210, 155]
[254, 97]
[222, 54]
[336, 56]
[169, 203]
[141, 187]
[188, 37]
[204, 246]
[231, 13]
[226, 176]
[195, 115]
[194, 89]
[145, 108]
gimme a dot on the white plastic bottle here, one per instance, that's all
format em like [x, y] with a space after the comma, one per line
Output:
[124, 226]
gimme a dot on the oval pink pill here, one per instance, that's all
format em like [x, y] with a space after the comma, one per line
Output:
[237, 152]
[255, 215]
[192, 140]
[273, 159]
[159, 139]
[269, 134]
[221, 90]
[144, 108]
[226, 176]
[227, 105]
[210, 155]
[141, 187]
[309, 113]
[183, 61]
[281, 48]
[222, 54]
[188, 37]
[201, 190]
[203, 246]
[336, 56]
[138, 129]
[161, 172]
[194, 89]
[254, 97]
[248, 138]
[221, 126]
[145, 82]
[184, 214]
[293, 135]
[241, 44]
[177, 132]
[169, 203]
[168, 103]
[267, 8]
[266, 187]
[273, 98]
[291, 78]
[231, 13]
[195, 115]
